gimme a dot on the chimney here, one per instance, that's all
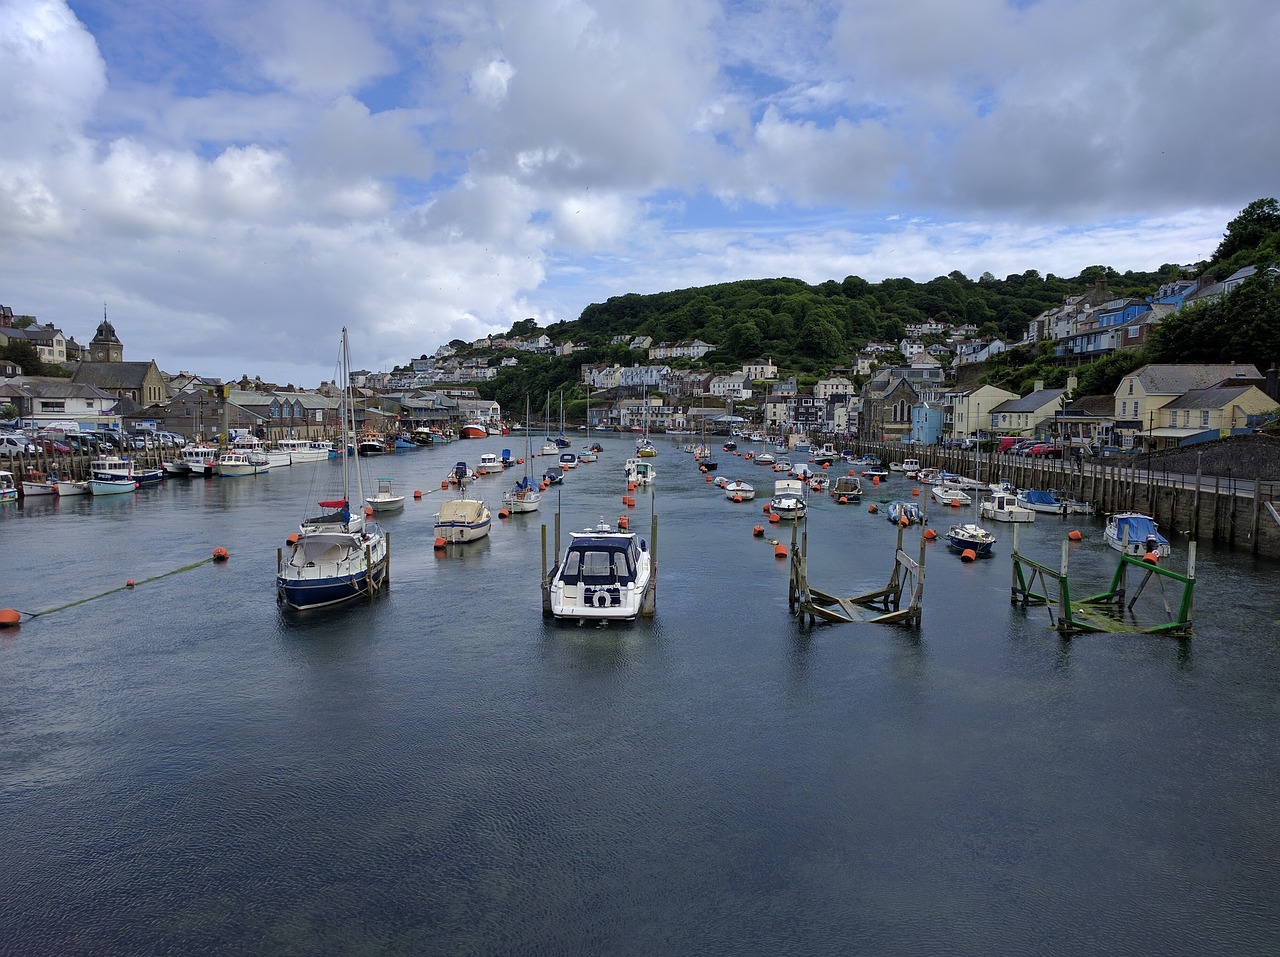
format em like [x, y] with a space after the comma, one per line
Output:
[1072, 382]
[1272, 387]
[1039, 386]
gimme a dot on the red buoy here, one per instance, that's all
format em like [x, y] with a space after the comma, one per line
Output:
[968, 555]
[779, 551]
[930, 534]
[220, 553]
[441, 543]
[9, 617]
[417, 493]
[758, 531]
[1074, 535]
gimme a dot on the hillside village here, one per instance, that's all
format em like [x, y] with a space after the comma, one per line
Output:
[923, 389]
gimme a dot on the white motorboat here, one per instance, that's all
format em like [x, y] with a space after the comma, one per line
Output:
[1003, 507]
[949, 495]
[385, 498]
[969, 536]
[305, 451]
[640, 472]
[604, 575]
[489, 464]
[236, 464]
[788, 501]
[111, 476]
[739, 491]
[463, 520]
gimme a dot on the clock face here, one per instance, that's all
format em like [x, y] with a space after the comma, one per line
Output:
[100, 354]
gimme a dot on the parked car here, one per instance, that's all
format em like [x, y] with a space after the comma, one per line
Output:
[15, 444]
[1046, 450]
[1022, 447]
[52, 446]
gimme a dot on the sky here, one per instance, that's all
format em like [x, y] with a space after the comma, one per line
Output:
[234, 181]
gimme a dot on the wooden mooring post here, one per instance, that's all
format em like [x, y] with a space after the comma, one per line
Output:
[814, 606]
[1106, 611]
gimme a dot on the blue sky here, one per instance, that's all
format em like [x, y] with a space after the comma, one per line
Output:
[237, 180]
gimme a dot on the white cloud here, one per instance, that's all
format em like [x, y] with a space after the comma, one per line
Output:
[255, 175]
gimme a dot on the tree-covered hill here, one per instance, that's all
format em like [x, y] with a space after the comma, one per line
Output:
[808, 330]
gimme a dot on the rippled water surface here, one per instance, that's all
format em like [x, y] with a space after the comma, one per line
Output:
[184, 769]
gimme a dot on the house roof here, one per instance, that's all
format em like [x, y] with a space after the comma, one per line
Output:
[1177, 379]
[1214, 398]
[1031, 402]
[1094, 406]
[113, 375]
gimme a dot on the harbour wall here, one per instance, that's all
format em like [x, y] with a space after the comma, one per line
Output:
[1216, 493]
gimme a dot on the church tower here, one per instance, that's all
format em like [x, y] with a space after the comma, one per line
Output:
[105, 346]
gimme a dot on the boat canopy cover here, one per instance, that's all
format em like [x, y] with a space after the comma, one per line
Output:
[1040, 497]
[598, 561]
[1140, 527]
[334, 503]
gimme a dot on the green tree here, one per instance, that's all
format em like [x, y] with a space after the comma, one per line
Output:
[1256, 223]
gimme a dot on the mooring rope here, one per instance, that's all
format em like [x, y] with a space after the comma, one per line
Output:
[125, 587]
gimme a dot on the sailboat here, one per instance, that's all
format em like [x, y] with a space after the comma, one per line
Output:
[548, 447]
[561, 441]
[527, 494]
[588, 453]
[645, 448]
[336, 557]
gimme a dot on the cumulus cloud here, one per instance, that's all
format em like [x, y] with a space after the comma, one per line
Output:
[241, 178]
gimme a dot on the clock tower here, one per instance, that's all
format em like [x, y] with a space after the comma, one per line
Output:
[105, 346]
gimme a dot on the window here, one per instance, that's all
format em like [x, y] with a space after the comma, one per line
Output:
[1173, 419]
[1204, 418]
[1124, 408]
[1130, 387]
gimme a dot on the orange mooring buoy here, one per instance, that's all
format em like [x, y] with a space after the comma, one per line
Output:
[915, 492]
[930, 534]
[441, 543]
[503, 513]
[1151, 558]
[9, 617]
[775, 518]
[873, 508]
[417, 493]
[130, 583]
[766, 508]
[779, 551]
[968, 555]
[1074, 535]
[220, 553]
[758, 531]
[843, 500]
[904, 521]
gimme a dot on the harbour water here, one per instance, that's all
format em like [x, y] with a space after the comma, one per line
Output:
[186, 769]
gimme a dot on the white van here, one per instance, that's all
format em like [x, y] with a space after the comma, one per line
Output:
[15, 444]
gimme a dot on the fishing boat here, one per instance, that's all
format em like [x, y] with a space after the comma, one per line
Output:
[385, 498]
[8, 488]
[237, 463]
[200, 459]
[526, 495]
[900, 510]
[66, 488]
[475, 430]
[371, 443]
[1004, 507]
[739, 491]
[36, 484]
[304, 451]
[1135, 534]
[640, 472]
[604, 575]
[463, 519]
[336, 557]
[111, 476]
[788, 501]
[176, 467]
[949, 495]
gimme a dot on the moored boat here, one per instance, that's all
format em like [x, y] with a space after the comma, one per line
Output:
[739, 491]
[949, 495]
[385, 499]
[1039, 500]
[1004, 507]
[788, 501]
[969, 535]
[640, 472]
[463, 520]
[336, 557]
[846, 487]
[475, 430]
[8, 488]
[304, 451]
[489, 464]
[1135, 534]
[111, 476]
[604, 575]
[900, 510]
[35, 484]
